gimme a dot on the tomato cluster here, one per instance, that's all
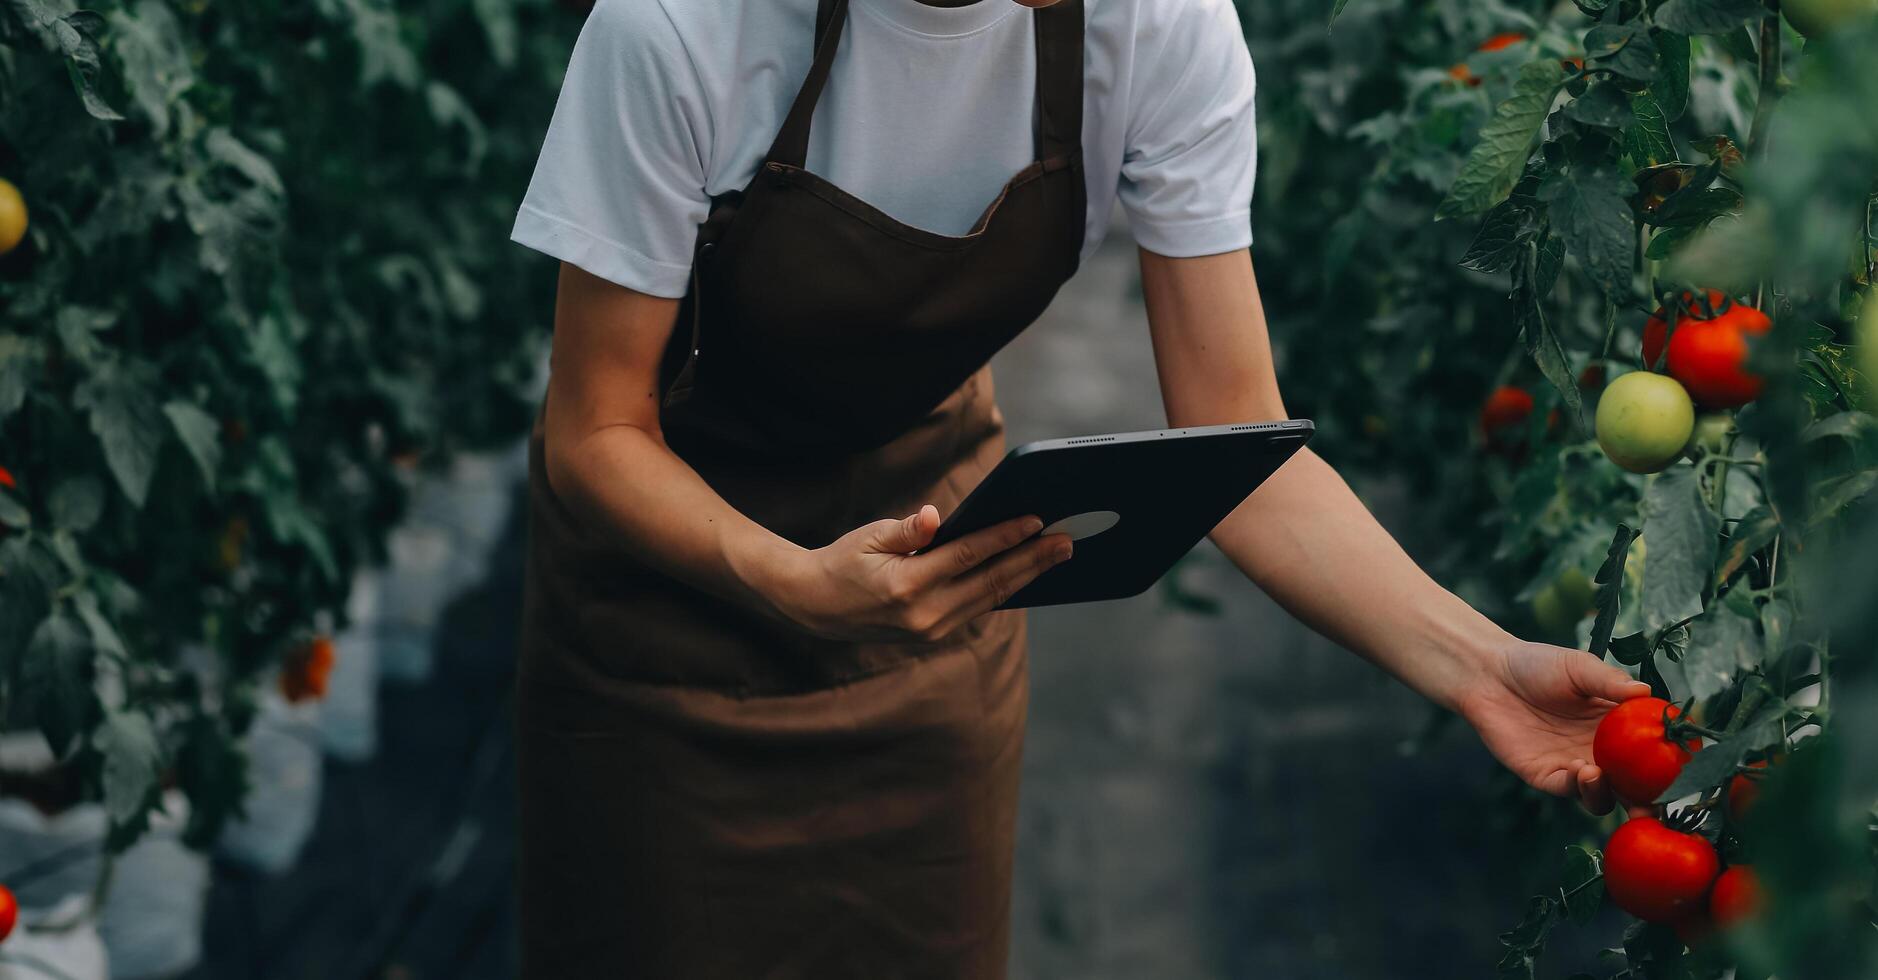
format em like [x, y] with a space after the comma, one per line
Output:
[1664, 871]
[1646, 421]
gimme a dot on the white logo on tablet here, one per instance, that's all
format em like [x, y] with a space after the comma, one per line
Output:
[1086, 524]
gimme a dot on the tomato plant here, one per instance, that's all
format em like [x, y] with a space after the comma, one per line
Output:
[1684, 156]
[268, 253]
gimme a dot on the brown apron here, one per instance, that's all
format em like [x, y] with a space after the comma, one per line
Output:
[705, 793]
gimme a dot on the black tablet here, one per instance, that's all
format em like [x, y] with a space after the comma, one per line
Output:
[1133, 502]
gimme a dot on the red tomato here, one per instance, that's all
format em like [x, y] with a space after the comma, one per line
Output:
[1631, 747]
[6, 479]
[1710, 356]
[1656, 329]
[305, 673]
[1658, 874]
[1500, 41]
[9, 911]
[1505, 413]
[1461, 73]
[1736, 898]
[1743, 791]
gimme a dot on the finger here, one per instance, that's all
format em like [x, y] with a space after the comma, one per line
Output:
[955, 558]
[1557, 782]
[906, 535]
[986, 587]
[1594, 678]
[1594, 791]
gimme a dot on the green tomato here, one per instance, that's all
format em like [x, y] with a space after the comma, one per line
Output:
[1644, 420]
[1816, 17]
[1868, 340]
[1711, 434]
[1559, 606]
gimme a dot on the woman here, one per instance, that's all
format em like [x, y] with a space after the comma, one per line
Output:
[759, 737]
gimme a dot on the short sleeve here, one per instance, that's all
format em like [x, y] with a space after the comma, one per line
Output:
[1192, 138]
[618, 189]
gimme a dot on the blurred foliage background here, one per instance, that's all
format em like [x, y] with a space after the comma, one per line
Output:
[267, 284]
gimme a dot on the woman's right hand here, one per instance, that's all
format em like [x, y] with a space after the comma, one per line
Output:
[868, 584]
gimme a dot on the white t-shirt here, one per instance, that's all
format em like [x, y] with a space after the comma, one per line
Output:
[927, 112]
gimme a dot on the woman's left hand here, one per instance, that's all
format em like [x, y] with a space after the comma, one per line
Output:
[1536, 706]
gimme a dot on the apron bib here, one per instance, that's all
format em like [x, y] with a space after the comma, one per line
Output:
[706, 793]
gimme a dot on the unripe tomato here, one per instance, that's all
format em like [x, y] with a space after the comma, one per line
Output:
[1644, 420]
[1815, 18]
[1632, 747]
[9, 912]
[1743, 791]
[1658, 874]
[1504, 416]
[1710, 357]
[1868, 338]
[1736, 898]
[12, 217]
[1711, 433]
[1559, 606]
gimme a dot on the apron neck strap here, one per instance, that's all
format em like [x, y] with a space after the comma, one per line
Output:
[1059, 33]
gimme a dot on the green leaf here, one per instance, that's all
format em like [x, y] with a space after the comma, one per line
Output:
[1682, 532]
[156, 63]
[1776, 629]
[1336, 9]
[1722, 644]
[20, 358]
[104, 638]
[132, 760]
[1603, 104]
[1755, 530]
[200, 434]
[1646, 140]
[1707, 16]
[129, 426]
[56, 678]
[1546, 352]
[1716, 763]
[1669, 86]
[1696, 207]
[1582, 885]
[1631, 649]
[1590, 211]
[75, 503]
[1625, 49]
[1495, 164]
[1663, 244]
[1610, 582]
[1496, 244]
[14, 514]
[224, 148]
[498, 22]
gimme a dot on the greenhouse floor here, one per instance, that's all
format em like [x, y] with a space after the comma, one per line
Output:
[1206, 795]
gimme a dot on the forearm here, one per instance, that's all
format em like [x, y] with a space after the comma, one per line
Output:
[1310, 544]
[623, 485]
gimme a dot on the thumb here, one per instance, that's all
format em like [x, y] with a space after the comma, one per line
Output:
[1594, 678]
[908, 534]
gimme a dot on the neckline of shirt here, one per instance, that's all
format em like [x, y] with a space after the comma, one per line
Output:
[930, 21]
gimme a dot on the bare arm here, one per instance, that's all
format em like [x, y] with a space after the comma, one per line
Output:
[607, 460]
[1307, 540]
